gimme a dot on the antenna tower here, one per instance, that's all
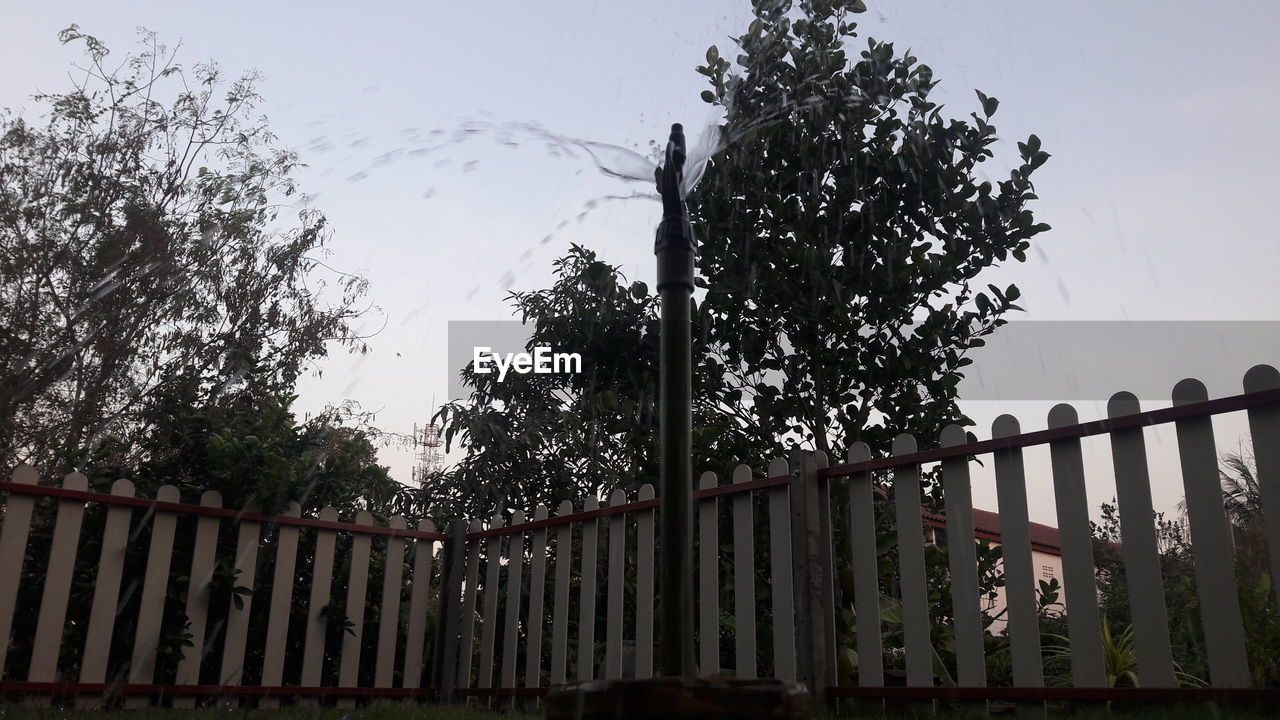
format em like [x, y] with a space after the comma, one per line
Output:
[426, 440]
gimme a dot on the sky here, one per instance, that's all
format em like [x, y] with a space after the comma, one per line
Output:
[1159, 117]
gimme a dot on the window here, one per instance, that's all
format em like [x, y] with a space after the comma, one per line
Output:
[1046, 571]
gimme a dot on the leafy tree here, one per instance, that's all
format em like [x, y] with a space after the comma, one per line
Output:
[249, 448]
[548, 438]
[842, 232]
[154, 320]
[141, 251]
[1242, 502]
[841, 229]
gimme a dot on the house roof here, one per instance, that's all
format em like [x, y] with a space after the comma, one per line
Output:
[986, 524]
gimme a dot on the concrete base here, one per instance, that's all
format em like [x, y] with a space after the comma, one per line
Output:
[678, 698]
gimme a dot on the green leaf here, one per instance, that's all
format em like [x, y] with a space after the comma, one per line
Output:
[989, 104]
[891, 614]
[708, 96]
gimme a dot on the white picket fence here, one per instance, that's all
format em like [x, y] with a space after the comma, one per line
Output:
[526, 603]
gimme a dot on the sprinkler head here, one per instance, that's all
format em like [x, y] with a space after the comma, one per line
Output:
[675, 232]
[671, 175]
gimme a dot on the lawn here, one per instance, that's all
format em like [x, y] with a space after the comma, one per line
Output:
[382, 711]
[413, 711]
[1062, 711]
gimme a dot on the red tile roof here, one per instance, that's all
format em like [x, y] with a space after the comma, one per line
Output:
[986, 524]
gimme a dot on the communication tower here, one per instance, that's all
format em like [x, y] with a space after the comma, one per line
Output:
[427, 441]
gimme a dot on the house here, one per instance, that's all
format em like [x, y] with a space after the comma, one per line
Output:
[1046, 552]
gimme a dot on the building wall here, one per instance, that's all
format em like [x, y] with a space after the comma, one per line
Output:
[1047, 566]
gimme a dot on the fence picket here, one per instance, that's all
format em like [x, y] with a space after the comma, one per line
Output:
[587, 598]
[915, 593]
[537, 599]
[246, 563]
[57, 584]
[357, 585]
[800, 571]
[822, 594]
[389, 614]
[744, 579]
[467, 647]
[321, 589]
[811, 560]
[708, 579]
[560, 608]
[142, 667]
[106, 591]
[799, 534]
[281, 601]
[1140, 552]
[781, 586]
[1079, 586]
[489, 627]
[617, 569]
[1015, 544]
[420, 591]
[971, 666]
[197, 609]
[1264, 430]
[511, 635]
[644, 586]
[13, 550]
[446, 656]
[1211, 543]
[866, 576]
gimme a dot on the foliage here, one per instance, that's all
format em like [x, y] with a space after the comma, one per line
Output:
[843, 209]
[155, 321]
[841, 234]
[548, 438]
[842, 230]
[1242, 506]
[1119, 657]
[141, 255]
[249, 449]
[940, 603]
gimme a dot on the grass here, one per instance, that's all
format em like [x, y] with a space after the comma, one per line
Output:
[1063, 711]
[379, 711]
[414, 711]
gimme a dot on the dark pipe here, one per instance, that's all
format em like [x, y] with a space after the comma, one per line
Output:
[674, 247]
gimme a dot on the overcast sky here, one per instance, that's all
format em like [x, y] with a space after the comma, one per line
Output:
[1160, 118]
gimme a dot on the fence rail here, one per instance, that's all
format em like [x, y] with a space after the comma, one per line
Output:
[508, 608]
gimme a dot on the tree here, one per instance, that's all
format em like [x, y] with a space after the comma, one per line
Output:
[843, 227]
[842, 209]
[842, 232]
[549, 438]
[140, 250]
[1242, 500]
[153, 322]
[251, 450]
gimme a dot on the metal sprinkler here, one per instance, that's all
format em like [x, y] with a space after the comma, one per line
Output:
[674, 248]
